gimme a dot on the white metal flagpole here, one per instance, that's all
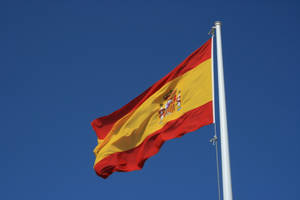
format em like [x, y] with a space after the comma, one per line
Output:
[226, 172]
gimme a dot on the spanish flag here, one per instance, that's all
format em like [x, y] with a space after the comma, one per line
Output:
[179, 103]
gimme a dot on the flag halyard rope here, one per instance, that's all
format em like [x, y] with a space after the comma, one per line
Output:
[214, 142]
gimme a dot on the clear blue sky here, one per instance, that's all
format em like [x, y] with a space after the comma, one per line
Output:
[64, 63]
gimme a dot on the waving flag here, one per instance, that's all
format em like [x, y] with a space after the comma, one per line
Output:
[179, 103]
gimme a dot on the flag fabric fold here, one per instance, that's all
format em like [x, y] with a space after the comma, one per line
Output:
[179, 103]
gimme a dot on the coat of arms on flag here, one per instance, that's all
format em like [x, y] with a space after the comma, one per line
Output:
[172, 103]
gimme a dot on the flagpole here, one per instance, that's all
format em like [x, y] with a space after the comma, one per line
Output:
[226, 172]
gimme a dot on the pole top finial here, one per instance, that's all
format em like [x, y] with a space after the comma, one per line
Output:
[218, 23]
